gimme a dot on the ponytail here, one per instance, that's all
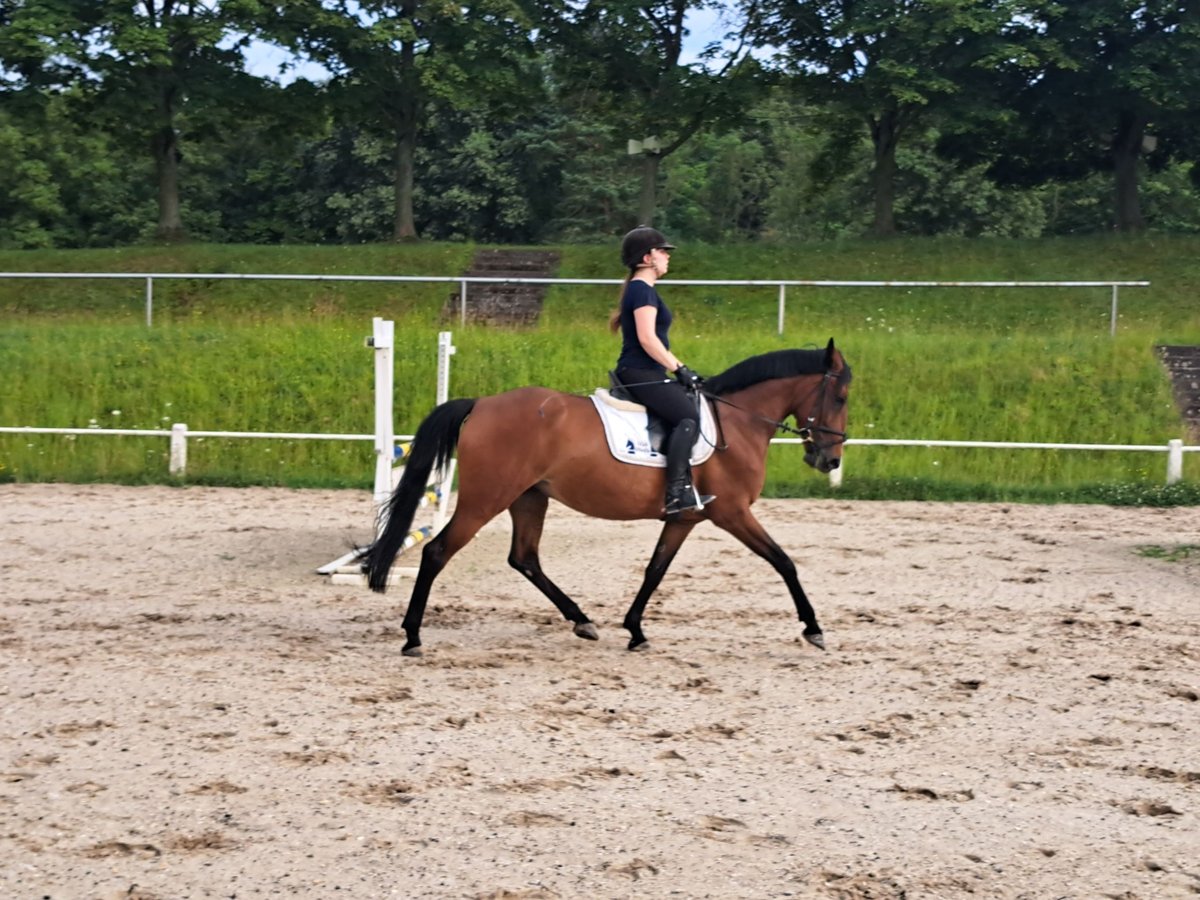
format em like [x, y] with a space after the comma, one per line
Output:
[614, 321]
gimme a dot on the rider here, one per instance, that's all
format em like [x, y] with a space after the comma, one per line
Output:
[643, 321]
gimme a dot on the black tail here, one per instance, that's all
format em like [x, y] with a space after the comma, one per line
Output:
[433, 445]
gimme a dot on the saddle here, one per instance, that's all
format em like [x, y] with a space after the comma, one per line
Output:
[637, 436]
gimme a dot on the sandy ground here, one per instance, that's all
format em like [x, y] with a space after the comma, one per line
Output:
[1008, 707]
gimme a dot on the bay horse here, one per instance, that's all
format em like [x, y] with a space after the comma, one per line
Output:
[520, 449]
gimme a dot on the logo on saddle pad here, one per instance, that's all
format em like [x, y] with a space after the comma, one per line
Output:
[636, 437]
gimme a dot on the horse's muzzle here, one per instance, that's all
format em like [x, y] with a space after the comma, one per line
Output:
[816, 458]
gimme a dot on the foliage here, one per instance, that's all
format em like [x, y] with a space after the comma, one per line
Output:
[396, 64]
[889, 65]
[136, 69]
[507, 121]
[623, 62]
[1112, 74]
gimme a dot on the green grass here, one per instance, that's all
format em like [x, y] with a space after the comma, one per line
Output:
[1175, 553]
[936, 363]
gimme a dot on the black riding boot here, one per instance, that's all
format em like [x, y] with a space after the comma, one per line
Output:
[681, 495]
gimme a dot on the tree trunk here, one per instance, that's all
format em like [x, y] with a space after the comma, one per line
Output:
[1126, 149]
[405, 223]
[165, 147]
[648, 200]
[885, 134]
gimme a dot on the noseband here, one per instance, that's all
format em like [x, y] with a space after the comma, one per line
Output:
[806, 432]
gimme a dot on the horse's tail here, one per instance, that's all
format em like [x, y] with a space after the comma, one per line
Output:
[432, 446]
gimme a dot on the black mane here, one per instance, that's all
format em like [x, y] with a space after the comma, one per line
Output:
[777, 364]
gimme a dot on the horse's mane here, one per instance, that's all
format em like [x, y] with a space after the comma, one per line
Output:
[777, 364]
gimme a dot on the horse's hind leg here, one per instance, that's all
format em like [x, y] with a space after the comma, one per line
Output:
[528, 516]
[458, 531]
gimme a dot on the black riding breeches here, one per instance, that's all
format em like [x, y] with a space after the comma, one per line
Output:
[669, 400]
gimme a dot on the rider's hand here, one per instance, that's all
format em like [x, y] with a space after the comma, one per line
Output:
[688, 378]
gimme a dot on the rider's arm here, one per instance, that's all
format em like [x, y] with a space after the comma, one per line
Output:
[644, 318]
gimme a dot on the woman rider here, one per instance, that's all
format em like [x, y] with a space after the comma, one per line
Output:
[644, 322]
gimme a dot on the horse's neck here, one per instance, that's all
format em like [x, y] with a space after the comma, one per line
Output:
[772, 399]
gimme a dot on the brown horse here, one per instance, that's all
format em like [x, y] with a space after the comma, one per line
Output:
[519, 449]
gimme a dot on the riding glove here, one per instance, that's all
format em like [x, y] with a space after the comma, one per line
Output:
[688, 378]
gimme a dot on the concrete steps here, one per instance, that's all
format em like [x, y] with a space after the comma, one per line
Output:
[1183, 365]
[500, 303]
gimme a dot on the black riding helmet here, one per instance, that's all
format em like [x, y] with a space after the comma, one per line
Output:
[641, 241]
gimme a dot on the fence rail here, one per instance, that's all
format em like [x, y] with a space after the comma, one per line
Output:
[463, 280]
[180, 433]
[1174, 448]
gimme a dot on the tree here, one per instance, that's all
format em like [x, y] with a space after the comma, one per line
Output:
[395, 61]
[64, 182]
[1119, 86]
[621, 61]
[141, 64]
[889, 64]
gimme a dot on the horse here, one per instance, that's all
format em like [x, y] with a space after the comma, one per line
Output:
[519, 449]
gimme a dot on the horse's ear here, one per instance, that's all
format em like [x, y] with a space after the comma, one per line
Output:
[829, 354]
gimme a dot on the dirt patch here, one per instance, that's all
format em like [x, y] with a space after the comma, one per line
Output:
[1007, 708]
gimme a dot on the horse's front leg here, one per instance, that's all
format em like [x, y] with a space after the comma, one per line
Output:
[747, 529]
[669, 541]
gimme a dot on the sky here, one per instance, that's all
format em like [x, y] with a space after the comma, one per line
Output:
[264, 59]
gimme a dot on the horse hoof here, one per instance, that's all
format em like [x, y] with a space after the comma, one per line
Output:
[639, 647]
[412, 651]
[817, 640]
[587, 631]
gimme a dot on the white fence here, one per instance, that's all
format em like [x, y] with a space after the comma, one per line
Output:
[384, 439]
[463, 281]
[180, 433]
[1174, 448]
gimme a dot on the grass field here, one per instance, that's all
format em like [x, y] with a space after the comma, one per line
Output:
[997, 364]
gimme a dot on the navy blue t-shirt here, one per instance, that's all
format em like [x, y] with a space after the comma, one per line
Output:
[638, 294]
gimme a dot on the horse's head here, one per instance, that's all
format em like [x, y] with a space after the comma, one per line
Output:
[821, 413]
[811, 385]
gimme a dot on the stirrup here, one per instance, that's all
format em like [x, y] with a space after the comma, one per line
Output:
[688, 500]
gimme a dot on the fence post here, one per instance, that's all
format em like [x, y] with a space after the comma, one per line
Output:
[383, 341]
[178, 464]
[446, 349]
[1174, 461]
[149, 302]
[1112, 328]
[782, 295]
[462, 303]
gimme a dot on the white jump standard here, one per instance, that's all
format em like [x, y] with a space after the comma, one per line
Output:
[346, 569]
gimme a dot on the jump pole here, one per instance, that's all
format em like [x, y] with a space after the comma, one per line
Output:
[345, 569]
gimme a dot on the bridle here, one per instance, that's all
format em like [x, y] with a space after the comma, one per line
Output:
[839, 437]
[805, 432]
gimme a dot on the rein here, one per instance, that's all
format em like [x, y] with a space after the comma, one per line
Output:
[805, 432]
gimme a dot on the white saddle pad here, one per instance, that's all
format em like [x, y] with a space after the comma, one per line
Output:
[626, 425]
